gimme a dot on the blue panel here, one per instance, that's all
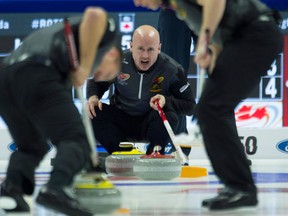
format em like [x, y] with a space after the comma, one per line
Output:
[277, 4]
[30, 6]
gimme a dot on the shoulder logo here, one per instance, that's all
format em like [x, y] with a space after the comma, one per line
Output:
[283, 146]
[123, 77]
[183, 88]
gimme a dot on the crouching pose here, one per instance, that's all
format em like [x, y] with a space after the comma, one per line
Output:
[37, 105]
[147, 76]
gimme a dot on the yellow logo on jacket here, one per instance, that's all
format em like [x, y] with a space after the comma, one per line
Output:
[156, 85]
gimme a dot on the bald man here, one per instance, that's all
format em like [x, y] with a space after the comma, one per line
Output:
[147, 75]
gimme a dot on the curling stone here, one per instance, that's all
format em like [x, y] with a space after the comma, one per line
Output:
[96, 193]
[121, 163]
[2, 212]
[157, 167]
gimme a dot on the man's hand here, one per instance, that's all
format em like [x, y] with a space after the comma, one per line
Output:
[208, 60]
[78, 77]
[161, 100]
[215, 50]
[151, 4]
[93, 102]
[203, 58]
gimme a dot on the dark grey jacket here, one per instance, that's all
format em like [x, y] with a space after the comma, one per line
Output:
[133, 89]
[237, 14]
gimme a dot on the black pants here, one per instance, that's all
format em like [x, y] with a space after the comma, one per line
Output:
[37, 106]
[244, 59]
[112, 126]
[175, 37]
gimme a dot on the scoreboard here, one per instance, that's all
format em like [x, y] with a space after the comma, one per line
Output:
[266, 106]
[269, 88]
[14, 27]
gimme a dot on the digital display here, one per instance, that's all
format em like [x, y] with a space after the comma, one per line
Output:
[15, 27]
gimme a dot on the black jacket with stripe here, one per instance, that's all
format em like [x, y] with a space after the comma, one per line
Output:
[133, 89]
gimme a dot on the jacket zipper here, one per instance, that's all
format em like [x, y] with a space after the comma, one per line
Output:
[140, 86]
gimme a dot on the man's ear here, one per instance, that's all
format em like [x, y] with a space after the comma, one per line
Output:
[131, 45]
[159, 48]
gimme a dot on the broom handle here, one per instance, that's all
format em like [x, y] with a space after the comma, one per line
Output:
[201, 82]
[184, 160]
[85, 118]
[203, 71]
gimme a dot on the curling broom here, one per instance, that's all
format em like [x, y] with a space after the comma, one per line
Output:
[85, 118]
[203, 70]
[187, 171]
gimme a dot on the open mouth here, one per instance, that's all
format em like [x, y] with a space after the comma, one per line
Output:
[145, 63]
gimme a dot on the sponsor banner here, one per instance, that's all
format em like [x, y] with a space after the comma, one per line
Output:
[259, 114]
[265, 143]
[285, 82]
[259, 143]
[5, 140]
[2, 124]
[7, 146]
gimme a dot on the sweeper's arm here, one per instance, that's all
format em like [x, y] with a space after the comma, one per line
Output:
[211, 16]
[81, 70]
[91, 31]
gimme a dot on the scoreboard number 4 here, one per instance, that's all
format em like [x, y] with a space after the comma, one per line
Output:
[271, 87]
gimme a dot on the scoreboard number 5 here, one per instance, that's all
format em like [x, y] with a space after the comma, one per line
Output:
[271, 88]
[125, 41]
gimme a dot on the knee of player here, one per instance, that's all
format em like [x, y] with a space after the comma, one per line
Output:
[173, 118]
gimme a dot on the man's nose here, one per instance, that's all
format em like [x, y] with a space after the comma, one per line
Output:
[145, 54]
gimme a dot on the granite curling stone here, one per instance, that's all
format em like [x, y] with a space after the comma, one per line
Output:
[121, 163]
[98, 194]
[157, 167]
